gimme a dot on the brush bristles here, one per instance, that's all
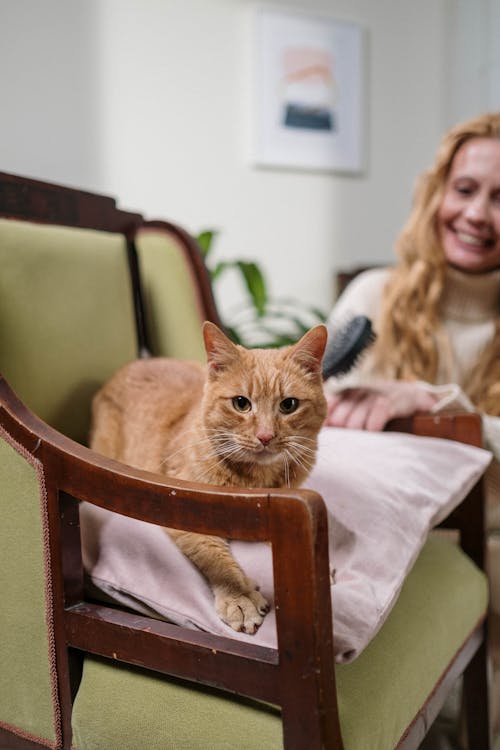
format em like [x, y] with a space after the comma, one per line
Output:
[346, 345]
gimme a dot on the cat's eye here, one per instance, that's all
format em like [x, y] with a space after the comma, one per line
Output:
[242, 403]
[289, 405]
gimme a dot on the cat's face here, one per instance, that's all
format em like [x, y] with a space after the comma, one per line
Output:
[262, 407]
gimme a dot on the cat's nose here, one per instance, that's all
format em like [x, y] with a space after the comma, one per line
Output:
[265, 437]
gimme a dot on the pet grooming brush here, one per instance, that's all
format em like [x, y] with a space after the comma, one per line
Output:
[345, 346]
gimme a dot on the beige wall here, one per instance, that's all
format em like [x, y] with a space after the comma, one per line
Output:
[151, 100]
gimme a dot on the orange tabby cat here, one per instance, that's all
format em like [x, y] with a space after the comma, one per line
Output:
[250, 419]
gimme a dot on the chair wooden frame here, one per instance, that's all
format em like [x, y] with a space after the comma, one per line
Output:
[300, 675]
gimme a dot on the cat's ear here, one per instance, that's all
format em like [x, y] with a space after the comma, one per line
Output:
[309, 350]
[221, 352]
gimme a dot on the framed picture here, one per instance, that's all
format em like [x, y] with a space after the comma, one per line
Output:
[309, 92]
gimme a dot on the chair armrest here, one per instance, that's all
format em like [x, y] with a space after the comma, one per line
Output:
[464, 427]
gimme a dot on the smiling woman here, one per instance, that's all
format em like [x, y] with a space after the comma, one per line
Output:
[437, 312]
[469, 217]
[437, 317]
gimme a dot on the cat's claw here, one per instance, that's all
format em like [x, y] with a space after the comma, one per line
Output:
[242, 612]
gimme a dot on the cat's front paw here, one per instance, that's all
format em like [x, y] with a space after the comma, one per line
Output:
[241, 611]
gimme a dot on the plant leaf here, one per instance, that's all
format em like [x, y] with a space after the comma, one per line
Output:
[220, 267]
[255, 283]
[205, 240]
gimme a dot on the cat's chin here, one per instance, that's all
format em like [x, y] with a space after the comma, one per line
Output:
[258, 458]
[264, 458]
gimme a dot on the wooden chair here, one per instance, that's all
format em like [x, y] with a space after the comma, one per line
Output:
[84, 287]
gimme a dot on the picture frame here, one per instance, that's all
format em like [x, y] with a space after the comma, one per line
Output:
[309, 92]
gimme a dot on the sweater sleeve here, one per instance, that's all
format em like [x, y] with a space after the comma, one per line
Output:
[451, 396]
[362, 297]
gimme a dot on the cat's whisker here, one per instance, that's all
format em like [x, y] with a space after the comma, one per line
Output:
[220, 434]
[287, 469]
[206, 470]
[208, 439]
[227, 451]
[301, 451]
[299, 460]
[302, 439]
[293, 445]
[186, 447]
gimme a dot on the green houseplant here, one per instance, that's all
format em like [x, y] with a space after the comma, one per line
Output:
[260, 321]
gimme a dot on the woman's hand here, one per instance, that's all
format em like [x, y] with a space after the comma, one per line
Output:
[370, 408]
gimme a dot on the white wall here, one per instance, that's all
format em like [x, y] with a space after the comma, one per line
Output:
[150, 100]
[176, 98]
[49, 64]
[474, 59]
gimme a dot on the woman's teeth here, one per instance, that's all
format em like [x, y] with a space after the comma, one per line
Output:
[471, 239]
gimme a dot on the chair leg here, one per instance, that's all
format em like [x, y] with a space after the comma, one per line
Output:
[476, 700]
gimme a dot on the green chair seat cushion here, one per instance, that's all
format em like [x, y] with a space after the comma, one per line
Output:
[442, 600]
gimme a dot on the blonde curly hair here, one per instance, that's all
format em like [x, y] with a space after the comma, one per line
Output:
[410, 336]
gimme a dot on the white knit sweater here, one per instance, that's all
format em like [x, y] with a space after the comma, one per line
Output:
[469, 308]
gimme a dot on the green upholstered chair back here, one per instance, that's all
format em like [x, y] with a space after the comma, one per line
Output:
[67, 315]
[174, 306]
